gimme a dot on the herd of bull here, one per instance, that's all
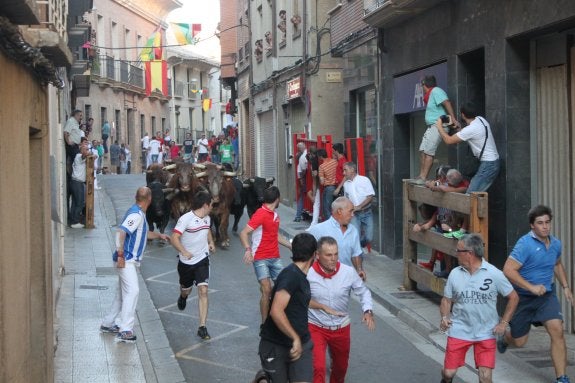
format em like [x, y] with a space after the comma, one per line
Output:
[174, 186]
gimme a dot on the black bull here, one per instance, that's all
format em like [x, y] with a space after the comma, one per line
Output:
[250, 193]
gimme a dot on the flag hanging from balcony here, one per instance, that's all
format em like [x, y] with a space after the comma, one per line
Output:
[186, 33]
[153, 48]
[156, 77]
[207, 104]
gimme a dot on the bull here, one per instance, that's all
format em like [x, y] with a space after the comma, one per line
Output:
[251, 193]
[158, 212]
[221, 187]
[182, 186]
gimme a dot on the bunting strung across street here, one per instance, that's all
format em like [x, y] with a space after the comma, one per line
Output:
[153, 49]
[186, 33]
[156, 76]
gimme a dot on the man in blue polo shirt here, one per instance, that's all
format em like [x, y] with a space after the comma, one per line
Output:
[531, 266]
[339, 227]
[130, 245]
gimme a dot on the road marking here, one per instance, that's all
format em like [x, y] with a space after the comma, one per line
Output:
[187, 357]
[181, 353]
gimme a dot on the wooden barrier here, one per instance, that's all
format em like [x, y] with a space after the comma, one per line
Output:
[475, 205]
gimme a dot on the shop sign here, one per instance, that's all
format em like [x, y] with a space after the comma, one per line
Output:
[408, 91]
[294, 88]
[333, 76]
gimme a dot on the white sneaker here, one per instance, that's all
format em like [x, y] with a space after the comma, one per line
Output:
[77, 226]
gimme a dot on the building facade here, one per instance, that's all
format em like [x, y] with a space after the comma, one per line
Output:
[515, 61]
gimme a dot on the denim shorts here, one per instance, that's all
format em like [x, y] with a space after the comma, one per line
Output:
[268, 268]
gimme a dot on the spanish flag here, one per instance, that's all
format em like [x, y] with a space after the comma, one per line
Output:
[156, 77]
[186, 33]
[153, 49]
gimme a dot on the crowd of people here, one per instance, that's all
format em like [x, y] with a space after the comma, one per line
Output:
[161, 148]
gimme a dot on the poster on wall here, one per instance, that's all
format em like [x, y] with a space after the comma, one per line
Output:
[408, 91]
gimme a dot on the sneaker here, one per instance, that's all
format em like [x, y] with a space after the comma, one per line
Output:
[111, 329]
[182, 303]
[203, 333]
[417, 181]
[441, 274]
[125, 336]
[297, 219]
[502, 345]
[77, 226]
[457, 234]
[427, 265]
[563, 379]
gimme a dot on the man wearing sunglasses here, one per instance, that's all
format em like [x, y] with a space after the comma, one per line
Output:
[468, 310]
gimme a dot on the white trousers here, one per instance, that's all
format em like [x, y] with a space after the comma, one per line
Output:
[123, 309]
[315, 216]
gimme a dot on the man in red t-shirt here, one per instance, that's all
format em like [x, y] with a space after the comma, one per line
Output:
[264, 253]
[341, 160]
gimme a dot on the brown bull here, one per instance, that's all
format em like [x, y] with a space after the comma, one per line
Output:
[221, 187]
[182, 186]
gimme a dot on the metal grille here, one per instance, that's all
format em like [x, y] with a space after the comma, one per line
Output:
[554, 162]
[266, 146]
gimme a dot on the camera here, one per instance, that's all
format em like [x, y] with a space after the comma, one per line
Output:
[446, 119]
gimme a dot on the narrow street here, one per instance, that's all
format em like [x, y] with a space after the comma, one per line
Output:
[393, 353]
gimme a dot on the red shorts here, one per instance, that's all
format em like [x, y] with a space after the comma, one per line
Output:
[483, 350]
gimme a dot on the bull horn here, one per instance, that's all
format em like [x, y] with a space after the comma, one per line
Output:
[169, 167]
[246, 186]
[199, 166]
[149, 171]
[252, 180]
[168, 190]
[201, 174]
[229, 174]
[270, 179]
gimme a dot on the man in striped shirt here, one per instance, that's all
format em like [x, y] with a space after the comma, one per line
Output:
[327, 170]
[264, 253]
[130, 245]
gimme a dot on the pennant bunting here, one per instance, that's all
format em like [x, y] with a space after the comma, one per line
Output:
[186, 33]
[156, 77]
[153, 49]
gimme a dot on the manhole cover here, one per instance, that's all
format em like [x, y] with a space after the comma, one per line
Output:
[92, 287]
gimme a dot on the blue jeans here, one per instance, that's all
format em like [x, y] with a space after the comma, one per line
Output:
[268, 268]
[486, 174]
[302, 194]
[215, 158]
[77, 191]
[327, 200]
[363, 219]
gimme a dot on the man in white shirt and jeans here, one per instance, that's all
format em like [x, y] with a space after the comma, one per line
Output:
[331, 283]
[478, 136]
[360, 192]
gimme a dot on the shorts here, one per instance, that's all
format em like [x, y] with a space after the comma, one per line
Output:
[268, 268]
[196, 274]
[430, 141]
[534, 310]
[276, 362]
[483, 351]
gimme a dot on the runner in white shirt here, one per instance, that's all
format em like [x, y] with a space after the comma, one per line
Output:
[192, 238]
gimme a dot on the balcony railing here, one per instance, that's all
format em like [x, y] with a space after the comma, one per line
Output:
[53, 15]
[386, 13]
[119, 73]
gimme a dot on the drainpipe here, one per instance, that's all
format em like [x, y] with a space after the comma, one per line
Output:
[379, 146]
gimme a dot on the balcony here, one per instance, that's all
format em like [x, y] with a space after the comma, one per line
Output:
[107, 71]
[387, 13]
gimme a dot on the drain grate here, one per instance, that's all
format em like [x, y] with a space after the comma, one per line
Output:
[93, 287]
[105, 271]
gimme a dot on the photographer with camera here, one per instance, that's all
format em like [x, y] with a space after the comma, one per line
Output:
[477, 134]
[436, 104]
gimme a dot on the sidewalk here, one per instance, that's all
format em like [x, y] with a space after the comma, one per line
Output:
[420, 311]
[90, 281]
